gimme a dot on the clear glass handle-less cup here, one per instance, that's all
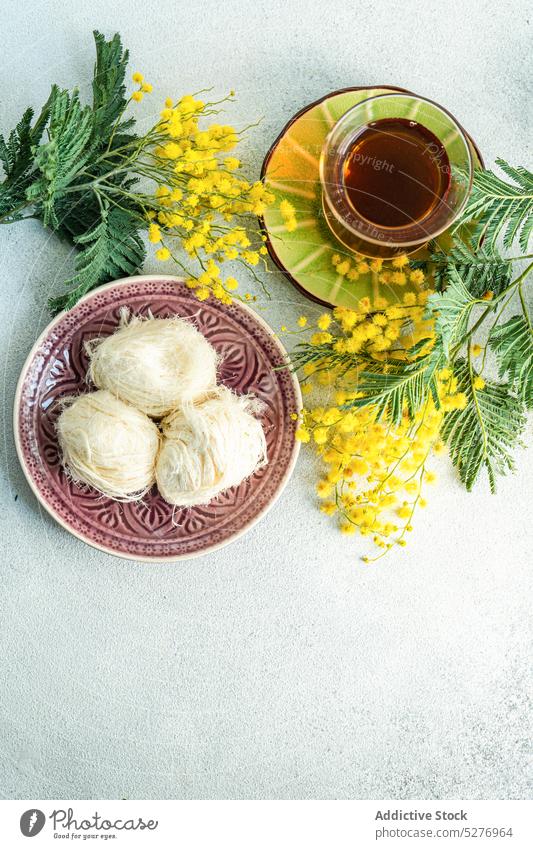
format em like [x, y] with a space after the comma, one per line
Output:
[363, 236]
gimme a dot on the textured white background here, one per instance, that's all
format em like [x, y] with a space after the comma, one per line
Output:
[279, 667]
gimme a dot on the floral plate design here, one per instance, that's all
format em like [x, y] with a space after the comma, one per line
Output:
[152, 529]
[291, 170]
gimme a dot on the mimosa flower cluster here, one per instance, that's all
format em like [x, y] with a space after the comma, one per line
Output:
[201, 204]
[89, 173]
[374, 474]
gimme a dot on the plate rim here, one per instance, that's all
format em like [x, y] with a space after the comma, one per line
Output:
[172, 558]
[266, 161]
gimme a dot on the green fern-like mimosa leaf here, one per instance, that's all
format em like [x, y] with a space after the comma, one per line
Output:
[112, 248]
[500, 207]
[512, 342]
[486, 431]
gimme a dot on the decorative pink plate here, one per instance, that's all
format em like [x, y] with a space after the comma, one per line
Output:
[151, 530]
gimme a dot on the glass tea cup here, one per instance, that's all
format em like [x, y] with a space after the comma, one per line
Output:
[396, 171]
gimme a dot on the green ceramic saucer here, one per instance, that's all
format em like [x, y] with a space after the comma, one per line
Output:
[291, 170]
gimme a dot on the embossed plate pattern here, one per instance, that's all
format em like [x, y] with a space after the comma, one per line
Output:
[151, 529]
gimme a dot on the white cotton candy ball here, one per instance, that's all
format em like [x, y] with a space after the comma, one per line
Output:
[209, 447]
[109, 445]
[155, 364]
